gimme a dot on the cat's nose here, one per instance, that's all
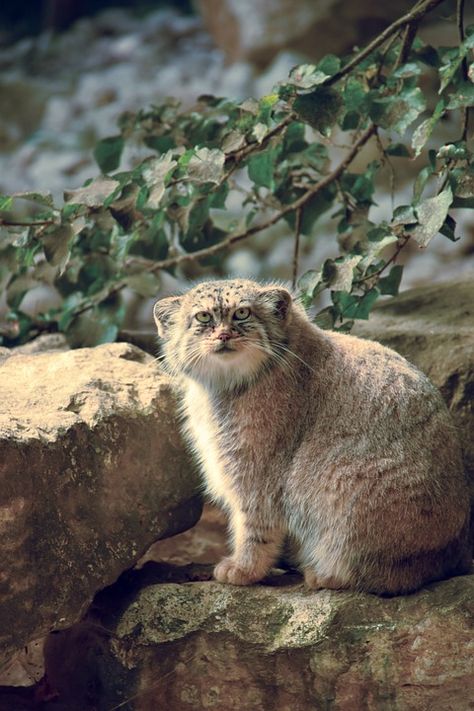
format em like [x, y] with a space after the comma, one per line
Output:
[224, 336]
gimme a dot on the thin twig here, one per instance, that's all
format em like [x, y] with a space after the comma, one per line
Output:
[403, 242]
[296, 252]
[415, 14]
[39, 223]
[240, 236]
[464, 69]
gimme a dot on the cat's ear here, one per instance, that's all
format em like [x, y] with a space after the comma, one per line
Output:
[280, 301]
[163, 312]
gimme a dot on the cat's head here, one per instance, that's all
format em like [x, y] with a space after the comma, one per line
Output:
[224, 333]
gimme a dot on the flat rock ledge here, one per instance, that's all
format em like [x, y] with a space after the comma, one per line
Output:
[189, 646]
[92, 472]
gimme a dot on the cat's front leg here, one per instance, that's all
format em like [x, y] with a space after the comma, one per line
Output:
[256, 547]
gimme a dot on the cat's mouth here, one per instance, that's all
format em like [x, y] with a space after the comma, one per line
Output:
[223, 348]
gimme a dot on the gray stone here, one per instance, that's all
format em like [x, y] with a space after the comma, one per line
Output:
[253, 31]
[92, 472]
[433, 328]
[189, 646]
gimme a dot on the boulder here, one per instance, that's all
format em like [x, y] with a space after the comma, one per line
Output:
[92, 471]
[433, 328]
[188, 646]
[246, 30]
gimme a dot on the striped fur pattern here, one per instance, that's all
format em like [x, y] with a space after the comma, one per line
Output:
[328, 446]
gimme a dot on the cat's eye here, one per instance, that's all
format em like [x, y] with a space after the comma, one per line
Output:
[241, 314]
[203, 317]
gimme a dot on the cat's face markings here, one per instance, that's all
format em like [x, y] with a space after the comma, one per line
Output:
[224, 330]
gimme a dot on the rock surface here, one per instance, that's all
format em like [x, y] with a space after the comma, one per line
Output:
[202, 645]
[314, 28]
[92, 471]
[433, 328]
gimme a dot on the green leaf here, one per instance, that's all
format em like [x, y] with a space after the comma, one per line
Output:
[464, 96]
[421, 180]
[326, 318]
[398, 150]
[309, 281]
[366, 303]
[411, 69]
[5, 202]
[453, 151]
[206, 165]
[397, 111]
[404, 215]
[57, 245]
[307, 76]
[156, 173]
[425, 129]
[314, 208]
[94, 194]
[391, 283]
[108, 152]
[40, 198]
[431, 215]
[261, 167]
[320, 108]
[346, 304]
[354, 95]
[344, 273]
[449, 229]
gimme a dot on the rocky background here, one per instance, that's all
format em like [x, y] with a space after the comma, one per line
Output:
[102, 605]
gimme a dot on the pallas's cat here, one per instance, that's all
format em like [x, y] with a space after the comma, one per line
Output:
[331, 447]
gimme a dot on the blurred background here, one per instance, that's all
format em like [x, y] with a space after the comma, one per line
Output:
[69, 68]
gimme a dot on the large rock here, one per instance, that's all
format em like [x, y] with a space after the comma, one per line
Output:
[244, 29]
[189, 646]
[92, 471]
[433, 328]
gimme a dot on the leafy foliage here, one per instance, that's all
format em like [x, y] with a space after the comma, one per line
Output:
[273, 157]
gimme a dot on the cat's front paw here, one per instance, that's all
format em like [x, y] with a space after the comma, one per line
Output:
[229, 571]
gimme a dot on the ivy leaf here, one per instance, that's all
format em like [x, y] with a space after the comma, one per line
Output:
[344, 274]
[108, 152]
[366, 303]
[320, 109]
[57, 245]
[453, 151]
[404, 215]
[307, 76]
[94, 194]
[40, 198]
[391, 283]
[449, 229]
[398, 150]
[326, 318]
[398, 111]
[425, 129]
[464, 96]
[308, 282]
[234, 141]
[431, 215]
[206, 165]
[155, 172]
[261, 167]
[5, 202]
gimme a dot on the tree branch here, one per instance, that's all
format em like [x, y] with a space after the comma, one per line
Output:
[415, 15]
[291, 207]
